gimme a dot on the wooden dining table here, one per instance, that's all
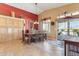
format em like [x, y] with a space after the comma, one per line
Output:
[34, 37]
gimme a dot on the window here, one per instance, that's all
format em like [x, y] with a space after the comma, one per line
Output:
[74, 24]
[73, 27]
[46, 26]
[62, 28]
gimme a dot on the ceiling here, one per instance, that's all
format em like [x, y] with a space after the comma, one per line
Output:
[36, 9]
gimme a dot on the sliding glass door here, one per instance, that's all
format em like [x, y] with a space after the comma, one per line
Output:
[69, 27]
[74, 27]
[62, 28]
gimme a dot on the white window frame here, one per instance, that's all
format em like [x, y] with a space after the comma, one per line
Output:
[47, 24]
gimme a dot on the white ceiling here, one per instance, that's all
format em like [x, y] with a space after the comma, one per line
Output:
[40, 6]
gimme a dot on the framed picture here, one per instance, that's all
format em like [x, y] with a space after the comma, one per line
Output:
[52, 23]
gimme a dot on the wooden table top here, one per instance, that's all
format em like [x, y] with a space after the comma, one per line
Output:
[72, 39]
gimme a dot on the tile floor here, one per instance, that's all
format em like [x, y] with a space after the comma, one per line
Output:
[17, 48]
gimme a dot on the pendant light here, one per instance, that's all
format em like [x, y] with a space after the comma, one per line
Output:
[36, 23]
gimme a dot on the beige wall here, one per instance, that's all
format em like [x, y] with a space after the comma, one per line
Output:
[53, 14]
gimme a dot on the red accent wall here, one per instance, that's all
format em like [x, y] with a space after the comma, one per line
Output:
[6, 10]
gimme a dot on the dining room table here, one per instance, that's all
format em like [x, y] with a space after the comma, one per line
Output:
[34, 37]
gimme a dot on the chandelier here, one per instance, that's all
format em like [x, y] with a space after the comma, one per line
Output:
[36, 23]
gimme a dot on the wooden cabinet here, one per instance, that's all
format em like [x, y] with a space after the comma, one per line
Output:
[16, 23]
[10, 28]
[21, 23]
[2, 22]
[71, 47]
[9, 23]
